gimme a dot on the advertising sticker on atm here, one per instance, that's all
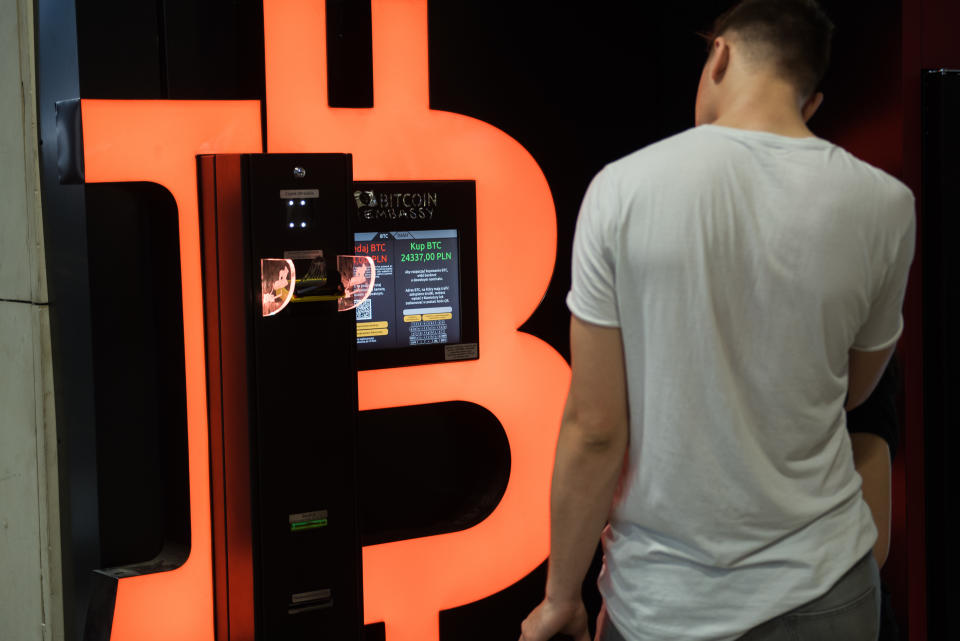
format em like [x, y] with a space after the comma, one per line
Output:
[421, 237]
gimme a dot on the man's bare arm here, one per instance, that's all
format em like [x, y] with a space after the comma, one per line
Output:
[590, 455]
[871, 457]
[865, 371]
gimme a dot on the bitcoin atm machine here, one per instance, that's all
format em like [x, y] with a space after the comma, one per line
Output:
[422, 238]
[280, 288]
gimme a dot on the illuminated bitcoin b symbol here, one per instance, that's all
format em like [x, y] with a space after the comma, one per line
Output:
[518, 377]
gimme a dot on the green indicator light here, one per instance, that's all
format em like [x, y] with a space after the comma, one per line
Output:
[308, 525]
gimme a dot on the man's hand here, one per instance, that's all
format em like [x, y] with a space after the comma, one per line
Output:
[871, 458]
[591, 450]
[550, 619]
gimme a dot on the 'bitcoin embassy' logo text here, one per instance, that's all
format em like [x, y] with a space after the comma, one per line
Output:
[373, 205]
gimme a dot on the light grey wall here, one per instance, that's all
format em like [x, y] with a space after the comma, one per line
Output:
[31, 607]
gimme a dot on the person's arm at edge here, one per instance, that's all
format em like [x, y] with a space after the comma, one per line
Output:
[871, 458]
[589, 459]
[864, 372]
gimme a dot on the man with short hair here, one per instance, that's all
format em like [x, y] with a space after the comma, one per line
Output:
[735, 288]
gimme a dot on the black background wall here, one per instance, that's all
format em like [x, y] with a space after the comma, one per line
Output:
[578, 84]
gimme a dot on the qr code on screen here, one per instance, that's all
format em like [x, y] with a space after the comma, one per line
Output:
[365, 310]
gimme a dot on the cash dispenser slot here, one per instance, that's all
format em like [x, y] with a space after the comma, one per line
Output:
[310, 601]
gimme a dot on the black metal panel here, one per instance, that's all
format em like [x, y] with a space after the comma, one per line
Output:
[103, 601]
[139, 372]
[213, 50]
[283, 407]
[70, 170]
[306, 430]
[349, 54]
[65, 248]
[940, 229]
[429, 469]
[120, 49]
[178, 49]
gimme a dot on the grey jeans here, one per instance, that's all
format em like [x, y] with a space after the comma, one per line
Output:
[850, 611]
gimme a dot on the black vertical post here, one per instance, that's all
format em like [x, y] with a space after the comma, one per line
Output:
[65, 232]
[940, 229]
[283, 397]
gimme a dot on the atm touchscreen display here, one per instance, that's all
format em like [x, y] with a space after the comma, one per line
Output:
[416, 296]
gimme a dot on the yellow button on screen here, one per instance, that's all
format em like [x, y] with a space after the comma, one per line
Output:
[373, 325]
[446, 316]
[363, 333]
[412, 319]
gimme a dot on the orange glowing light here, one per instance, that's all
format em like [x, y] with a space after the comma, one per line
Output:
[157, 141]
[519, 378]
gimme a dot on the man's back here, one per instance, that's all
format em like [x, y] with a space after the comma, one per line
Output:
[740, 267]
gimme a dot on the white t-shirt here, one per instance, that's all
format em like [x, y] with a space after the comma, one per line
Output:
[741, 267]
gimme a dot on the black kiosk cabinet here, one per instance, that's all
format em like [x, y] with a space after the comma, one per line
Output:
[281, 368]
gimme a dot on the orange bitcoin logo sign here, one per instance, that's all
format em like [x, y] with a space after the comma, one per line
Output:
[519, 378]
[157, 141]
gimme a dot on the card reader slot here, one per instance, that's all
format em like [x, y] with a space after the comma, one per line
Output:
[310, 601]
